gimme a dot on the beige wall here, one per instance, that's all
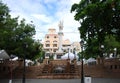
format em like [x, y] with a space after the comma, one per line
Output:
[51, 43]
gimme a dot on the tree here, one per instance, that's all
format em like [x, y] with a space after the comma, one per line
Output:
[17, 37]
[111, 44]
[4, 14]
[98, 19]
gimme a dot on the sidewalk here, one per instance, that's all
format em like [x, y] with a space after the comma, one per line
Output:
[94, 80]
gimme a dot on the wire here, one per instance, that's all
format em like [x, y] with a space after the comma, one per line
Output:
[56, 32]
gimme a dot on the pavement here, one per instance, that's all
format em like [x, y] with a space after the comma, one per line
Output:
[94, 80]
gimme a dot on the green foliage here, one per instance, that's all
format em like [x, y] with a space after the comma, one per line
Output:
[51, 57]
[17, 37]
[98, 19]
[110, 44]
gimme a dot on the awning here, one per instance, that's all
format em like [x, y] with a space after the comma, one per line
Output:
[91, 60]
[4, 55]
[70, 55]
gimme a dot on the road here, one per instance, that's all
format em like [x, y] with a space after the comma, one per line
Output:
[94, 80]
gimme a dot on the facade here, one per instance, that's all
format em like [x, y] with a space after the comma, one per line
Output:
[51, 41]
[66, 44]
[55, 45]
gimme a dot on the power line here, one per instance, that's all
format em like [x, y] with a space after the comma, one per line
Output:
[56, 32]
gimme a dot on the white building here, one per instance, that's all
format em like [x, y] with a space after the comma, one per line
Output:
[54, 44]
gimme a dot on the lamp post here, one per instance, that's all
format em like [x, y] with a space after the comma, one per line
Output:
[102, 48]
[102, 54]
[23, 81]
[74, 53]
[115, 52]
[24, 70]
[10, 81]
[82, 71]
[68, 53]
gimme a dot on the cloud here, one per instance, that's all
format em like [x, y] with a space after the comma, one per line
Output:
[43, 17]
[46, 14]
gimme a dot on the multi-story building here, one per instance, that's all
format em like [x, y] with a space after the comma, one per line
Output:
[51, 41]
[55, 45]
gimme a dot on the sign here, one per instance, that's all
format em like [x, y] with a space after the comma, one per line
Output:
[88, 80]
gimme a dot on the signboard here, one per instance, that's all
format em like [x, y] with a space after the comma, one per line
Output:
[88, 80]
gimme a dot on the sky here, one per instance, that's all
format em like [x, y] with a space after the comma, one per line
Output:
[46, 14]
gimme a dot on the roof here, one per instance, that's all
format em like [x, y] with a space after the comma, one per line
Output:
[4, 55]
[70, 55]
[66, 42]
[51, 34]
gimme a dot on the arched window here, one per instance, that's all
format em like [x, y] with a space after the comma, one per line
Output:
[54, 41]
[47, 41]
[47, 36]
[55, 37]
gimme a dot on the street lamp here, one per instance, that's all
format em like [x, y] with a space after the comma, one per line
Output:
[11, 65]
[115, 52]
[74, 53]
[24, 70]
[102, 54]
[68, 53]
[82, 71]
[102, 49]
[23, 81]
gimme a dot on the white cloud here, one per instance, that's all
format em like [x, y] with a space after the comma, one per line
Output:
[50, 1]
[70, 25]
[75, 1]
[43, 18]
[46, 14]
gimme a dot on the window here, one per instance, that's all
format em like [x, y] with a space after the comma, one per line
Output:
[54, 41]
[59, 56]
[47, 49]
[55, 37]
[115, 66]
[54, 45]
[47, 45]
[54, 50]
[111, 66]
[47, 55]
[47, 36]
[4, 68]
[47, 41]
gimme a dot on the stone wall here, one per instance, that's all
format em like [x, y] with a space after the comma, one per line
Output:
[110, 69]
[59, 62]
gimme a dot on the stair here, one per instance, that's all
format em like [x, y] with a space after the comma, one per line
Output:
[45, 69]
[72, 68]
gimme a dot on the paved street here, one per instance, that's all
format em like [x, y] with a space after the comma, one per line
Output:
[95, 80]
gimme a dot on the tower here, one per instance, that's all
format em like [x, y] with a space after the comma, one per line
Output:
[59, 53]
[60, 34]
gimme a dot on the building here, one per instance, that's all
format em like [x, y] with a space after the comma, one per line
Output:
[51, 41]
[54, 44]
